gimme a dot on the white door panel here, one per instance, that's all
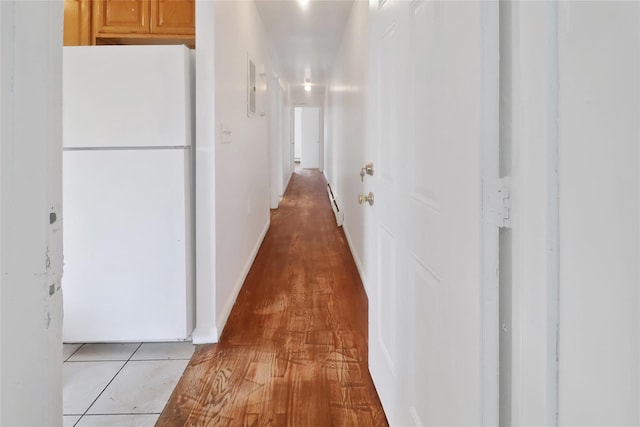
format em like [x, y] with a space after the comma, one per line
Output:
[387, 313]
[310, 137]
[429, 92]
[432, 345]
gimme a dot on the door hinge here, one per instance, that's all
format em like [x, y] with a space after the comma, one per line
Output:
[504, 202]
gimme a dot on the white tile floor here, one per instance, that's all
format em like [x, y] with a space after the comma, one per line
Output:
[120, 384]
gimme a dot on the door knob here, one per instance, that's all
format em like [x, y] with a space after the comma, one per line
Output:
[363, 198]
[367, 169]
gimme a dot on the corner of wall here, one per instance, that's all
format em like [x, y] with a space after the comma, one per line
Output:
[205, 195]
[31, 308]
[205, 336]
[345, 130]
[228, 306]
[242, 200]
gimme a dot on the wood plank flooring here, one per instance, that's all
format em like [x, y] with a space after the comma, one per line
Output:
[294, 350]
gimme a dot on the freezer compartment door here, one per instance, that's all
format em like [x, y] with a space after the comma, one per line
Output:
[127, 96]
[127, 245]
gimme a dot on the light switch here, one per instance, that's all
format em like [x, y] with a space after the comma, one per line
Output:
[226, 134]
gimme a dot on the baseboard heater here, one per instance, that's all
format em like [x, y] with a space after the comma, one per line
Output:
[334, 205]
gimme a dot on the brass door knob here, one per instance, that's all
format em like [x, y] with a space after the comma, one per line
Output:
[367, 169]
[362, 198]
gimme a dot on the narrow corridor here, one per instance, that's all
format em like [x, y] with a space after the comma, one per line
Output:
[294, 350]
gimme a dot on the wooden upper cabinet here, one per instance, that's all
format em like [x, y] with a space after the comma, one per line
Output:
[77, 22]
[173, 17]
[144, 22]
[122, 16]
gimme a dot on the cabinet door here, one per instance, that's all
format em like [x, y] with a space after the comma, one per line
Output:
[173, 17]
[122, 16]
[77, 22]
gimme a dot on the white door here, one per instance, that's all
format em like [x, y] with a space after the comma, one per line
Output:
[310, 138]
[433, 117]
[126, 245]
[297, 134]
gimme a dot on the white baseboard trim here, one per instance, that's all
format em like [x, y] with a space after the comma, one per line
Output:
[354, 254]
[334, 200]
[335, 205]
[286, 184]
[209, 336]
[224, 315]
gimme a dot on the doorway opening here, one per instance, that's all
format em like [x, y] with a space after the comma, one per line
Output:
[307, 137]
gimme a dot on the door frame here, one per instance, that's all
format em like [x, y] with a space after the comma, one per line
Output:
[535, 214]
[275, 145]
[279, 138]
[490, 174]
[534, 217]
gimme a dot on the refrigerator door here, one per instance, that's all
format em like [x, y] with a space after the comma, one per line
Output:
[127, 246]
[127, 96]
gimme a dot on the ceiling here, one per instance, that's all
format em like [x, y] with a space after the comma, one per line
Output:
[306, 39]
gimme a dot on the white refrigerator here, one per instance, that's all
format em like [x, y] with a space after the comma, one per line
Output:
[128, 130]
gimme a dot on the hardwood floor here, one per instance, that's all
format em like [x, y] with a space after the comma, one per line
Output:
[294, 350]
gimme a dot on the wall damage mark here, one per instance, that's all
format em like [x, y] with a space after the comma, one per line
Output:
[48, 320]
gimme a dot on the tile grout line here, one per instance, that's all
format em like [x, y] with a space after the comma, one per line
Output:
[160, 360]
[108, 384]
[124, 413]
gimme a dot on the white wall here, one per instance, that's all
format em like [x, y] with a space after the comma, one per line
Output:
[599, 111]
[31, 190]
[232, 179]
[345, 130]
[242, 166]
[314, 98]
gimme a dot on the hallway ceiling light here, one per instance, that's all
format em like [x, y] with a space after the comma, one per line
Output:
[307, 87]
[303, 3]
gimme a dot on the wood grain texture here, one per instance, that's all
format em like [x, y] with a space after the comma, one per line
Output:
[143, 22]
[173, 17]
[77, 22]
[294, 350]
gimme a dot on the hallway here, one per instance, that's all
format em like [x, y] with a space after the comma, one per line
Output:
[294, 350]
